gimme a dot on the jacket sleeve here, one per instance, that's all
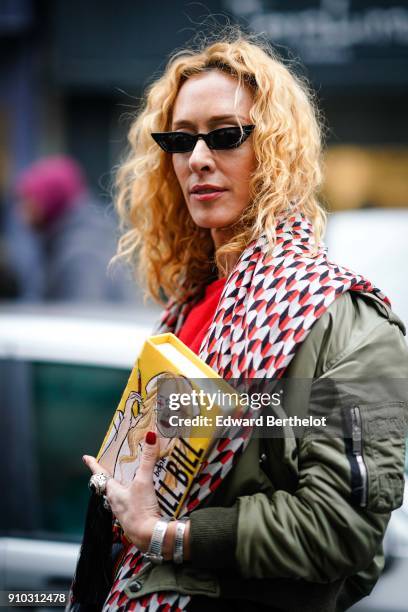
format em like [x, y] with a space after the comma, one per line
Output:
[318, 532]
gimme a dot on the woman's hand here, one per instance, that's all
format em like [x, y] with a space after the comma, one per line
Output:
[134, 505]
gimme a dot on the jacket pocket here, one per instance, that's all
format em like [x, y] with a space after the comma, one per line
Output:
[176, 579]
[375, 448]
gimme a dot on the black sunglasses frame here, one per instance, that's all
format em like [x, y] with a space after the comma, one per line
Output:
[163, 139]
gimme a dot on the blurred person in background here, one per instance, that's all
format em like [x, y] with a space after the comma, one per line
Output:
[77, 237]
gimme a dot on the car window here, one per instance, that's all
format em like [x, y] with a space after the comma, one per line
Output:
[53, 414]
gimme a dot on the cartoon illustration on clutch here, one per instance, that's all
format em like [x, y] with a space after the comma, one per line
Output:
[122, 449]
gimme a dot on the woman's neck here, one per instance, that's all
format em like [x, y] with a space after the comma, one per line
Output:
[221, 236]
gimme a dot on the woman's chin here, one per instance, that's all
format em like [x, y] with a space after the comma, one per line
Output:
[213, 221]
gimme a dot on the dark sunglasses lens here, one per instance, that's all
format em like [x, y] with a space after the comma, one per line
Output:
[175, 142]
[227, 138]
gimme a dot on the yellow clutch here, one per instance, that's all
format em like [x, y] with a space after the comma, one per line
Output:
[173, 392]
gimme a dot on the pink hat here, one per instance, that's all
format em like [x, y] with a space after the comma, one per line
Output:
[52, 184]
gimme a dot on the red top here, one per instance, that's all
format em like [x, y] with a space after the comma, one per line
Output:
[201, 315]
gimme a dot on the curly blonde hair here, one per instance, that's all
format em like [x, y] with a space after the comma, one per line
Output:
[174, 255]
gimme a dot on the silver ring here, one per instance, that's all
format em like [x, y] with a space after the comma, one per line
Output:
[97, 483]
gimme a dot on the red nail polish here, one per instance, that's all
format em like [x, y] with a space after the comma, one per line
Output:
[151, 437]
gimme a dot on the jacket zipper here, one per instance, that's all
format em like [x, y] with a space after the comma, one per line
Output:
[357, 449]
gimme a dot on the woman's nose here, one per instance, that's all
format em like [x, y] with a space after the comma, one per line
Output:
[201, 157]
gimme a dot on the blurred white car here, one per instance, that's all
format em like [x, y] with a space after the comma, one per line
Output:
[61, 377]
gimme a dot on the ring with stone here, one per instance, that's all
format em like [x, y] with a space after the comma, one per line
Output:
[97, 483]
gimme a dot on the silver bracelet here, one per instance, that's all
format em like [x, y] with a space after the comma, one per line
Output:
[178, 548]
[154, 552]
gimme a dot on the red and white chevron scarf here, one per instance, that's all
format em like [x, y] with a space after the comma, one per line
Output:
[266, 310]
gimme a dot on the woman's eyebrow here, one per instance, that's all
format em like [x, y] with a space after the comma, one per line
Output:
[213, 120]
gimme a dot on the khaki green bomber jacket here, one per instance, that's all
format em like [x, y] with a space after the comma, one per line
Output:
[283, 531]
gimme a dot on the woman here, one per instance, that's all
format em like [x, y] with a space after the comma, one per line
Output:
[219, 196]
